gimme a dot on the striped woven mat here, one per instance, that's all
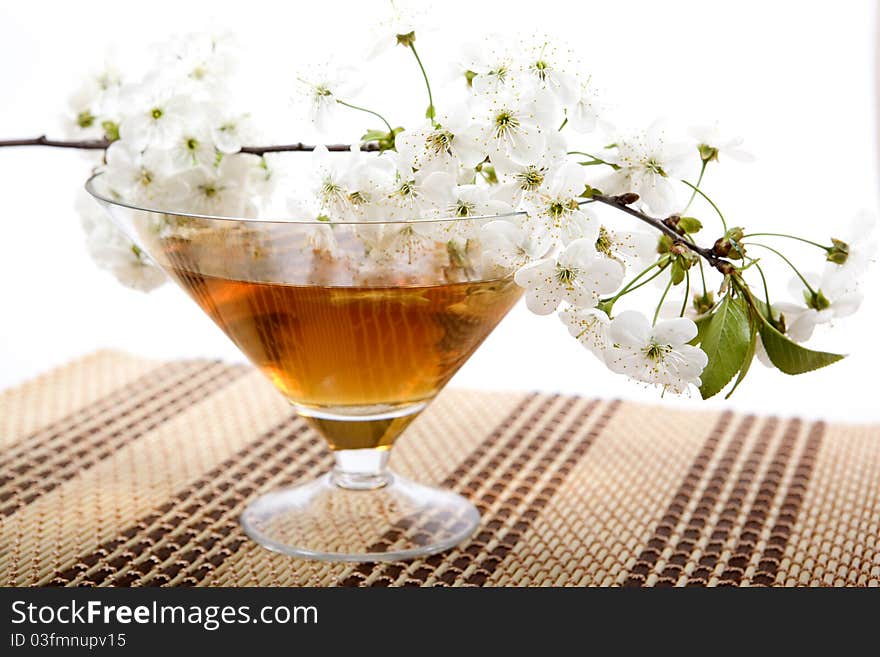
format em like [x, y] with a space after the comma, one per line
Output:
[125, 472]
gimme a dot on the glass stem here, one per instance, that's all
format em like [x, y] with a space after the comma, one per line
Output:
[361, 469]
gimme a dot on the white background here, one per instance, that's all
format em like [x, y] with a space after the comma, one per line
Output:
[795, 78]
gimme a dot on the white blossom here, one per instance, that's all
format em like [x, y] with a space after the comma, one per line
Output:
[155, 116]
[647, 163]
[203, 60]
[93, 104]
[837, 297]
[545, 66]
[229, 132]
[324, 87]
[634, 249]
[583, 114]
[658, 354]
[398, 29]
[221, 190]
[416, 194]
[113, 251]
[715, 145]
[491, 63]
[555, 205]
[139, 176]
[578, 275]
[589, 327]
[192, 147]
[861, 250]
[454, 141]
[508, 246]
[318, 234]
[532, 175]
[513, 127]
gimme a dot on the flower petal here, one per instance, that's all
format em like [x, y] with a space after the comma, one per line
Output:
[630, 328]
[675, 332]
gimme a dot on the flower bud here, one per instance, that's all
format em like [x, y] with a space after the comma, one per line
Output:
[816, 300]
[729, 246]
[703, 303]
[628, 199]
[838, 253]
[708, 153]
[406, 40]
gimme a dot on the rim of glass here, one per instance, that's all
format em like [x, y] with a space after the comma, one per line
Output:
[91, 189]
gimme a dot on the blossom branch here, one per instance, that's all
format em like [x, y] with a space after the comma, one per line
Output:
[623, 203]
[103, 144]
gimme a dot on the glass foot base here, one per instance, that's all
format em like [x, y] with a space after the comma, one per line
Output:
[398, 519]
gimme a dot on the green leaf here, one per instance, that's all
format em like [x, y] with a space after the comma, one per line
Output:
[725, 340]
[749, 357]
[374, 135]
[690, 224]
[701, 323]
[790, 357]
[430, 113]
[677, 272]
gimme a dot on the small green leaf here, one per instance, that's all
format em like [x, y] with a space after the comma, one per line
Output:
[111, 130]
[690, 224]
[677, 272]
[790, 357]
[374, 135]
[430, 113]
[725, 340]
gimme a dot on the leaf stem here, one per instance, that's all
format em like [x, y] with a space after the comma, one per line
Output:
[697, 190]
[660, 303]
[431, 113]
[596, 159]
[703, 277]
[766, 290]
[368, 111]
[694, 193]
[791, 237]
[687, 292]
[564, 123]
[787, 261]
[629, 286]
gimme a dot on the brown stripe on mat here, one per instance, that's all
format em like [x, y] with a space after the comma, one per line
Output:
[102, 442]
[712, 553]
[749, 538]
[222, 537]
[500, 452]
[44, 449]
[475, 562]
[703, 510]
[771, 558]
[489, 443]
[236, 538]
[648, 557]
[183, 511]
[153, 382]
[515, 535]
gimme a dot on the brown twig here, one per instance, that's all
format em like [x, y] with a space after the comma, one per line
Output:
[103, 144]
[623, 203]
[42, 140]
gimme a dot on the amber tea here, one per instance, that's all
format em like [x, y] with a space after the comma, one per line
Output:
[359, 362]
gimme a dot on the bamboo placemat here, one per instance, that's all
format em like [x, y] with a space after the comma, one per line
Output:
[121, 471]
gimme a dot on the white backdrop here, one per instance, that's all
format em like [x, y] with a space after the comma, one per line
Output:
[796, 79]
